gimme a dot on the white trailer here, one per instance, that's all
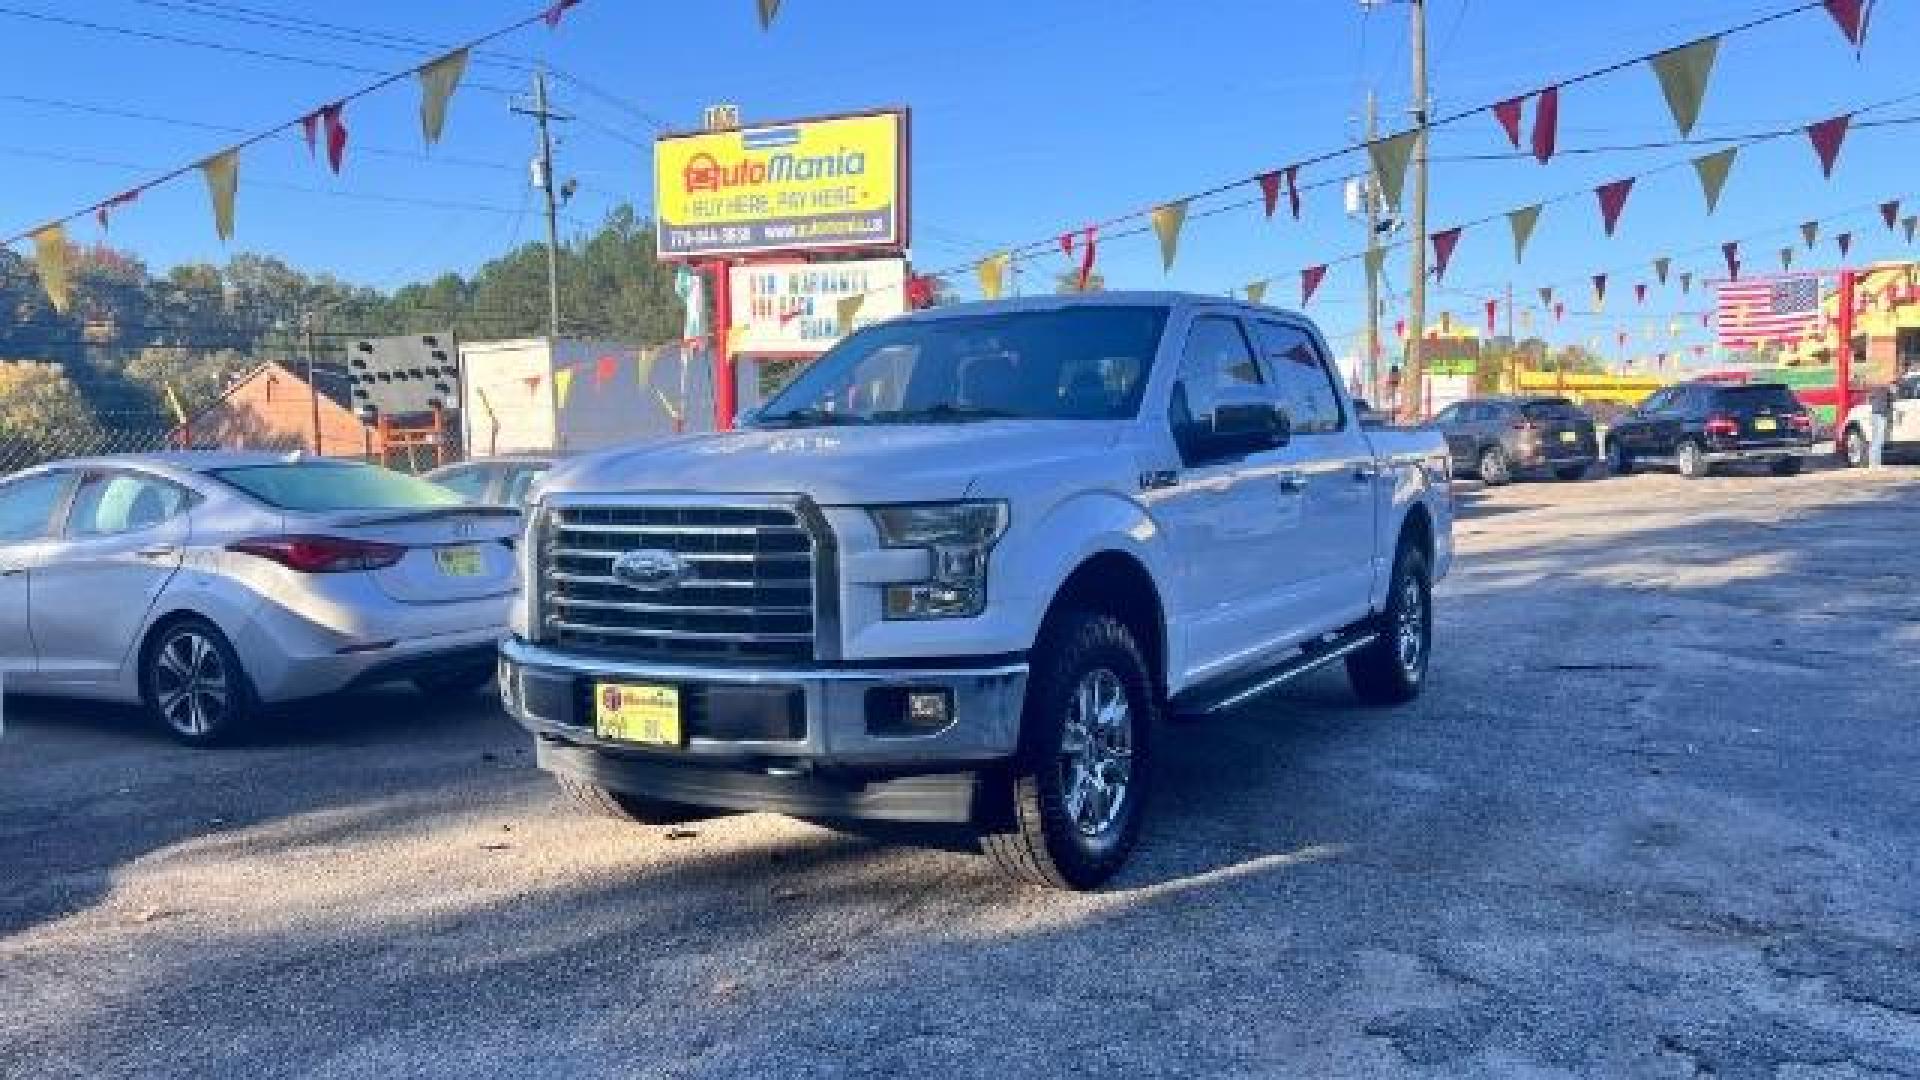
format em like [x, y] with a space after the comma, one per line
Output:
[541, 396]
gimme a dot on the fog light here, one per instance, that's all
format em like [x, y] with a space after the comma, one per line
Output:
[898, 710]
[929, 710]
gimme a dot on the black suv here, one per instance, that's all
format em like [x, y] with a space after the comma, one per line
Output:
[1698, 425]
[1499, 438]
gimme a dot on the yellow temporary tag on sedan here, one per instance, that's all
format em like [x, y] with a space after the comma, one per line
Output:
[637, 713]
[1765, 423]
[461, 561]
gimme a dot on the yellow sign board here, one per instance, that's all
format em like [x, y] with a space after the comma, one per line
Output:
[833, 183]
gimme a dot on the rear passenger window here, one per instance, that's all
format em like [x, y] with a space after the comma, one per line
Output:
[111, 503]
[1301, 379]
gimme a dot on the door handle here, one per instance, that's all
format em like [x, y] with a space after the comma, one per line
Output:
[1365, 471]
[156, 551]
[12, 571]
[1292, 482]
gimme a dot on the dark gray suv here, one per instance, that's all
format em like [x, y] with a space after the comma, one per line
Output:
[1500, 439]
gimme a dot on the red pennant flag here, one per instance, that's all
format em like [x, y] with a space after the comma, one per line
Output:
[1400, 328]
[1852, 17]
[553, 14]
[1559, 309]
[1310, 279]
[920, 291]
[1084, 239]
[1546, 123]
[1827, 135]
[310, 126]
[1731, 249]
[603, 369]
[1639, 292]
[1613, 199]
[1493, 312]
[1599, 288]
[336, 134]
[125, 198]
[1845, 240]
[1890, 213]
[1293, 190]
[1508, 113]
[1443, 245]
[1270, 191]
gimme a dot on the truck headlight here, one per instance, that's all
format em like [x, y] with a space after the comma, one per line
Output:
[957, 537]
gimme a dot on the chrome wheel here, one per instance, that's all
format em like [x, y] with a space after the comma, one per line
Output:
[1410, 626]
[1096, 753]
[191, 688]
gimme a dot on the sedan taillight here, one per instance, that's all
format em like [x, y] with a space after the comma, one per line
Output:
[1723, 425]
[321, 554]
[1800, 421]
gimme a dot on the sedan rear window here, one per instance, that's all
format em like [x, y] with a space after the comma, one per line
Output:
[322, 486]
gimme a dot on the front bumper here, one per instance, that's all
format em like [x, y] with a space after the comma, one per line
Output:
[789, 740]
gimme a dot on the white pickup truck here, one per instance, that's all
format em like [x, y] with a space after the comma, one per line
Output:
[1903, 424]
[961, 567]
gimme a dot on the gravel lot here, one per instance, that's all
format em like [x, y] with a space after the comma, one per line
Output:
[1659, 815]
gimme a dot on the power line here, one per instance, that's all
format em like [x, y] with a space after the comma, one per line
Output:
[325, 31]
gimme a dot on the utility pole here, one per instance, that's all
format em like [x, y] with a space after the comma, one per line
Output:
[1413, 377]
[543, 179]
[310, 321]
[1370, 367]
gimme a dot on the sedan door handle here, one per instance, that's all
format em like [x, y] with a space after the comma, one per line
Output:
[156, 551]
[1292, 482]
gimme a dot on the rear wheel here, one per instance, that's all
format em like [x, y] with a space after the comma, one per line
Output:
[1619, 461]
[1495, 469]
[1068, 812]
[1392, 670]
[1692, 458]
[1856, 448]
[1789, 466]
[192, 682]
[624, 807]
[458, 683]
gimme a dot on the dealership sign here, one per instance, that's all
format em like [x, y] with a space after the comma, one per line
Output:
[793, 309]
[833, 183]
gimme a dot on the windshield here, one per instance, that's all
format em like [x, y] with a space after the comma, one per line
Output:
[1081, 363]
[322, 486]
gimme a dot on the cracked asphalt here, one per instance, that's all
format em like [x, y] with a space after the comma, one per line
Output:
[1657, 816]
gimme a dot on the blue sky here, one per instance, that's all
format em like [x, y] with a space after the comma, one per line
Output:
[1029, 118]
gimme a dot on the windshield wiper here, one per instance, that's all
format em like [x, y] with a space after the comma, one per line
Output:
[809, 417]
[945, 412]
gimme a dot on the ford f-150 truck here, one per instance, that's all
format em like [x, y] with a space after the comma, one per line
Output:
[961, 567]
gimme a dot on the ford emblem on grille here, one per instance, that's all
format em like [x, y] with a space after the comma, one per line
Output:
[651, 569]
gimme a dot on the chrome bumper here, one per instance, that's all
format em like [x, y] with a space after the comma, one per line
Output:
[550, 693]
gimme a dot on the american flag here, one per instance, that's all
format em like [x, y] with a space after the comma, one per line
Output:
[1752, 313]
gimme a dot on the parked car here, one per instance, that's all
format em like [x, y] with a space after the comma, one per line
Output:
[205, 585]
[1903, 427]
[956, 570]
[1500, 439]
[1698, 425]
[498, 481]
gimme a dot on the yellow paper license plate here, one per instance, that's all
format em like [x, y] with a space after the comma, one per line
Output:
[459, 561]
[637, 713]
[1569, 436]
[1765, 423]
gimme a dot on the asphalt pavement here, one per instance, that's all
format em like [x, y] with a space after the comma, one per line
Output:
[1658, 815]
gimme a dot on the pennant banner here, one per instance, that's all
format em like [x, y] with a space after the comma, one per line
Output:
[1845, 240]
[1084, 240]
[125, 198]
[846, 309]
[1493, 313]
[1686, 282]
[1523, 220]
[1683, 75]
[1599, 292]
[50, 260]
[768, 10]
[336, 134]
[563, 385]
[438, 80]
[1731, 250]
[554, 13]
[1908, 224]
[1257, 291]
[1508, 113]
[1310, 280]
[1559, 311]
[1661, 266]
[1640, 293]
[992, 273]
[1809, 232]
[1851, 15]
[1827, 137]
[1613, 199]
[1546, 295]
[1443, 244]
[1167, 221]
[1293, 190]
[1269, 191]
[1390, 157]
[223, 180]
[1546, 123]
[1786, 258]
[643, 367]
[1712, 170]
[1890, 213]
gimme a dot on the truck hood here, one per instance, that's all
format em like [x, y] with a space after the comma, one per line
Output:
[838, 465]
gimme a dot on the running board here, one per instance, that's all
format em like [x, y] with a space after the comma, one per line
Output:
[1208, 699]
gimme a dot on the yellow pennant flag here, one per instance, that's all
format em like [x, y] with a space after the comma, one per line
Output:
[50, 259]
[992, 272]
[1390, 157]
[222, 171]
[849, 307]
[768, 9]
[437, 83]
[1257, 291]
[562, 385]
[648, 357]
[1167, 222]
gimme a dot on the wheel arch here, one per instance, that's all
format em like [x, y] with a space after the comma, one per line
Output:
[1118, 583]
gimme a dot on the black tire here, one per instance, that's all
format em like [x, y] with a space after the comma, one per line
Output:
[459, 683]
[624, 807]
[1495, 469]
[1786, 466]
[1034, 828]
[1619, 461]
[1393, 670]
[1692, 459]
[1570, 473]
[1856, 452]
[192, 683]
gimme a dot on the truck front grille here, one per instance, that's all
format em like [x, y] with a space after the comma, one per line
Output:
[749, 594]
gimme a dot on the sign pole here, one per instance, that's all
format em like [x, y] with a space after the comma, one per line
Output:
[725, 379]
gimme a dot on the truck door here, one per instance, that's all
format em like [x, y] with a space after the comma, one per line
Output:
[1333, 544]
[1904, 424]
[1226, 518]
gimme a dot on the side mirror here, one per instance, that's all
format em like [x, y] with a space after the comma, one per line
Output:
[1242, 422]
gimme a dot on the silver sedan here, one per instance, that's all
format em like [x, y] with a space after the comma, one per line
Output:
[206, 585]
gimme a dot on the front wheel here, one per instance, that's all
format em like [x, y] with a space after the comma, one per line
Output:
[1856, 448]
[1788, 466]
[1495, 469]
[1570, 473]
[192, 682]
[1393, 669]
[621, 806]
[1692, 460]
[1068, 812]
[1619, 462]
